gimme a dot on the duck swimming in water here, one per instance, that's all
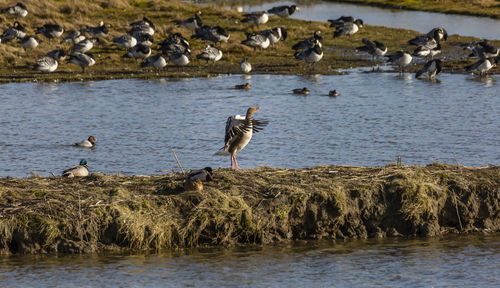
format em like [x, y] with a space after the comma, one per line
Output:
[302, 91]
[88, 143]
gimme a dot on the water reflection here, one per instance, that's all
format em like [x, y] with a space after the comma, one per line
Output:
[469, 261]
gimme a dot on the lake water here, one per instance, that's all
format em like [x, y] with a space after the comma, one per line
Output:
[472, 261]
[481, 27]
[137, 123]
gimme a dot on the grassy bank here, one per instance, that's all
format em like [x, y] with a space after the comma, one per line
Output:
[16, 64]
[484, 8]
[263, 205]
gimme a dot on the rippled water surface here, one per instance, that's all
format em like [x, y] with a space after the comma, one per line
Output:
[481, 27]
[137, 123]
[472, 261]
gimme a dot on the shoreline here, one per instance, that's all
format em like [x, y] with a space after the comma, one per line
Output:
[339, 52]
[263, 205]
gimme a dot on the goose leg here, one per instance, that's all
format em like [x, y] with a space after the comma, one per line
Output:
[236, 163]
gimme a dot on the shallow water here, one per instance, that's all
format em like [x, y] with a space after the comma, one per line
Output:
[472, 261]
[481, 27]
[137, 123]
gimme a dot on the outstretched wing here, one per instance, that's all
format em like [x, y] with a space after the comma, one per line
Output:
[258, 125]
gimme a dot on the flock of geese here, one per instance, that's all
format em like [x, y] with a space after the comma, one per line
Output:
[176, 49]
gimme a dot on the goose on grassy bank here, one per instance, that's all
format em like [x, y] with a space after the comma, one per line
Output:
[192, 23]
[125, 41]
[374, 48]
[316, 40]
[18, 10]
[239, 132]
[259, 17]
[348, 28]
[82, 60]
[13, 32]
[157, 61]
[245, 66]
[284, 10]
[50, 31]
[210, 53]
[98, 31]
[46, 64]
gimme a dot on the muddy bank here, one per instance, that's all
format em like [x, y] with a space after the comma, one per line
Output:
[339, 53]
[264, 205]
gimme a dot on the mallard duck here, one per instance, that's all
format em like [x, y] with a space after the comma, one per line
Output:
[81, 170]
[239, 131]
[246, 67]
[245, 86]
[88, 143]
[302, 91]
[204, 175]
[333, 93]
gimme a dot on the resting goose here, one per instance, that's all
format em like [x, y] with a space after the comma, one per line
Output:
[84, 45]
[142, 29]
[13, 32]
[174, 43]
[29, 42]
[340, 21]
[157, 61]
[145, 21]
[482, 66]
[246, 67]
[239, 131]
[144, 39]
[46, 64]
[211, 33]
[81, 59]
[482, 49]
[74, 36]
[348, 28]
[310, 55]
[275, 34]
[431, 68]
[98, 31]
[256, 41]
[210, 54]
[81, 170]
[192, 23]
[139, 51]
[431, 39]
[18, 10]
[374, 48]
[88, 143]
[58, 54]
[309, 42]
[400, 58]
[259, 17]
[284, 10]
[125, 41]
[50, 31]
[180, 58]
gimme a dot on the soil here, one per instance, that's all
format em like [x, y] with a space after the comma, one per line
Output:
[255, 206]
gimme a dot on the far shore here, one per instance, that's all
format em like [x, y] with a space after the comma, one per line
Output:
[339, 53]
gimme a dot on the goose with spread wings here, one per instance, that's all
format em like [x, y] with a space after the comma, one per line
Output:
[239, 131]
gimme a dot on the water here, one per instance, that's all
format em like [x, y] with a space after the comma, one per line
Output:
[472, 261]
[137, 123]
[423, 22]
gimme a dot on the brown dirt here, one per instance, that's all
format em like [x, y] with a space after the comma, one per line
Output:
[263, 205]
